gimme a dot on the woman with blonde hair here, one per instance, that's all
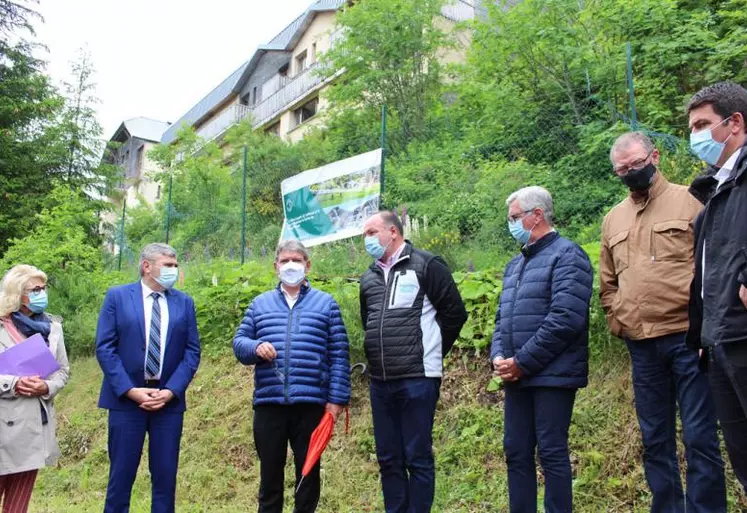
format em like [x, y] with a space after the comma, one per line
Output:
[27, 421]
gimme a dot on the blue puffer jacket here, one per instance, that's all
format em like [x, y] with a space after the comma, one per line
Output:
[313, 361]
[543, 316]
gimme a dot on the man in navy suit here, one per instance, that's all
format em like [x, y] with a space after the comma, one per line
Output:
[148, 348]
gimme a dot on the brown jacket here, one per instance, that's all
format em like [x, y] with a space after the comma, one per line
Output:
[646, 262]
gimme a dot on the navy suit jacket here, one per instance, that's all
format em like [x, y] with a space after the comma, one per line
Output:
[120, 347]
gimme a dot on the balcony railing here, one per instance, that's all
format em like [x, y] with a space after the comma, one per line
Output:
[295, 89]
[459, 10]
[225, 119]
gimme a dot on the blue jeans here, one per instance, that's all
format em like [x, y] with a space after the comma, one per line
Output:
[727, 374]
[403, 411]
[538, 417]
[665, 372]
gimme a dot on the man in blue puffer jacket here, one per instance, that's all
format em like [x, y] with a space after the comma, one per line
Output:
[295, 336]
[540, 350]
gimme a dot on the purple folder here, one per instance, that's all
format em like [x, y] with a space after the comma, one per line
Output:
[28, 358]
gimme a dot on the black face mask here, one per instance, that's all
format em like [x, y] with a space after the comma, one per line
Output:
[639, 179]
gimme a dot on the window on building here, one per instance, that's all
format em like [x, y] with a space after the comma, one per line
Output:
[254, 96]
[302, 61]
[312, 57]
[126, 164]
[305, 112]
[273, 129]
[140, 161]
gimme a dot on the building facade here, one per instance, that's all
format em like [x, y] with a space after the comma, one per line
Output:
[278, 88]
[129, 148]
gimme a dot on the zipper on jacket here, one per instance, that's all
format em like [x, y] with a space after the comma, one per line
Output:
[381, 319]
[516, 295]
[652, 242]
[396, 280]
[387, 280]
[287, 354]
[287, 341]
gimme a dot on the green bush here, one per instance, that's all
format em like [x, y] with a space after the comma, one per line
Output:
[77, 298]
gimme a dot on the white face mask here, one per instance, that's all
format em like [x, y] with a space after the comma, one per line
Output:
[292, 273]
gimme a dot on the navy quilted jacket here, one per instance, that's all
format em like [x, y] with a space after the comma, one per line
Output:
[543, 315]
[313, 362]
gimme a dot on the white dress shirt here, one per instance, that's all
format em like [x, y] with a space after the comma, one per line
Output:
[291, 300]
[148, 310]
[723, 174]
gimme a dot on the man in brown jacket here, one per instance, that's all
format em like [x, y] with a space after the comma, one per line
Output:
[645, 269]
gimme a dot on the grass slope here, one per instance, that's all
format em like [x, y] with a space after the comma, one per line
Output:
[219, 468]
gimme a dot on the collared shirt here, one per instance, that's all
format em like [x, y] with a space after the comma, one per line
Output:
[290, 299]
[387, 266]
[725, 172]
[148, 310]
[722, 176]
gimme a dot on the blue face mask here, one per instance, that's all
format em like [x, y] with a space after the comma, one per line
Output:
[374, 247]
[38, 301]
[705, 147]
[518, 231]
[168, 277]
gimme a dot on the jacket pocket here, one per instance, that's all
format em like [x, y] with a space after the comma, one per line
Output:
[672, 240]
[21, 433]
[405, 288]
[619, 249]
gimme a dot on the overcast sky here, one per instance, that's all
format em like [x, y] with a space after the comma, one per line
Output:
[157, 58]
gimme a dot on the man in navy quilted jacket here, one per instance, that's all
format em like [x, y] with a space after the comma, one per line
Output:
[540, 350]
[295, 337]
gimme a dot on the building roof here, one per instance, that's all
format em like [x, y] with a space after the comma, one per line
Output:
[284, 41]
[141, 127]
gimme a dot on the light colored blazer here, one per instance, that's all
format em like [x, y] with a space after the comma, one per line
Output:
[25, 443]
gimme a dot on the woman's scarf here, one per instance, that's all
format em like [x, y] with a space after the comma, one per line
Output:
[33, 324]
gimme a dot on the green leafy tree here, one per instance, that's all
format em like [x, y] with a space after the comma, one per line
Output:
[80, 134]
[28, 107]
[388, 54]
[58, 240]
[15, 17]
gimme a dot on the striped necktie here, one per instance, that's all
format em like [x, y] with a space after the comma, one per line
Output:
[153, 362]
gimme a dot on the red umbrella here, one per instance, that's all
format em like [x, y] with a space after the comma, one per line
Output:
[318, 442]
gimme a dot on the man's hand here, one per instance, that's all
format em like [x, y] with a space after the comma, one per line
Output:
[158, 399]
[496, 364]
[31, 386]
[334, 409]
[266, 351]
[140, 395]
[743, 295]
[508, 370]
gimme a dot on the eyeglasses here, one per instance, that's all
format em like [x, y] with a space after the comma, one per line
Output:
[515, 217]
[638, 164]
[36, 290]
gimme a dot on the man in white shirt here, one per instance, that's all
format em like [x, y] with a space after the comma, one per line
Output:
[718, 296]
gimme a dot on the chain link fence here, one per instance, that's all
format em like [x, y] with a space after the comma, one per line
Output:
[223, 200]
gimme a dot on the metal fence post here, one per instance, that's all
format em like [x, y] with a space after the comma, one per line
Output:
[243, 209]
[383, 150]
[122, 233]
[168, 207]
[631, 89]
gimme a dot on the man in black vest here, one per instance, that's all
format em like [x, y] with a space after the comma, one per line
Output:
[718, 295]
[412, 314]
